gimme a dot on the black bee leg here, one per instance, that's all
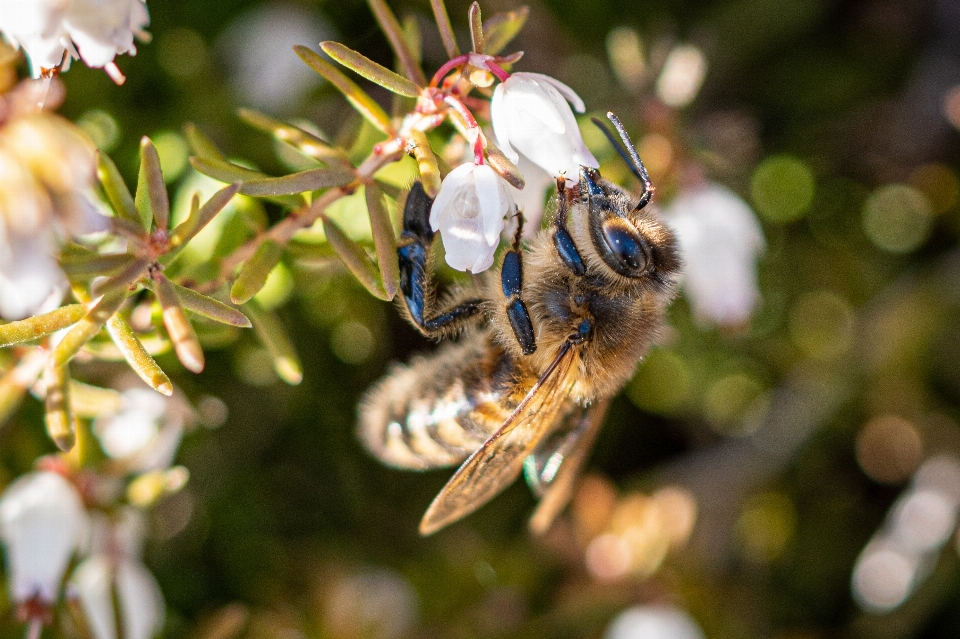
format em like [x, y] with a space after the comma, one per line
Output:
[562, 239]
[415, 283]
[511, 278]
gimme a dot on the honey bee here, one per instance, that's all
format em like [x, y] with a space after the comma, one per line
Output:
[545, 346]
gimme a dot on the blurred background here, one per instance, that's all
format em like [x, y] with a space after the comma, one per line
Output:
[786, 463]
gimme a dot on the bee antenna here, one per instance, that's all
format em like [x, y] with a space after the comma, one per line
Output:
[629, 154]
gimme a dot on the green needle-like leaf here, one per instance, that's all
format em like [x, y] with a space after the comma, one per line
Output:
[388, 22]
[153, 343]
[41, 325]
[301, 182]
[225, 171]
[15, 382]
[253, 275]
[210, 308]
[80, 262]
[356, 96]
[355, 258]
[304, 141]
[137, 356]
[384, 239]
[59, 417]
[125, 279]
[370, 69]
[151, 198]
[311, 255]
[446, 29]
[499, 30]
[116, 189]
[91, 323]
[476, 27]
[426, 162]
[184, 338]
[201, 145]
[198, 218]
[271, 332]
[88, 401]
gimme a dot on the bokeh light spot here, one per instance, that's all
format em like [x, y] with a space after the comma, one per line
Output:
[766, 526]
[821, 325]
[883, 577]
[682, 76]
[182, 52]
[782, 188]
[897, 218]
[174, 153]
[657, 153]
[352, 342]
[888, 449]
[101, 128]
[625, 51]
[728, 399]
[939, 183]
[662, 383]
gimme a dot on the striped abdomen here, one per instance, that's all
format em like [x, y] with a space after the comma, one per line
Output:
[437, 410]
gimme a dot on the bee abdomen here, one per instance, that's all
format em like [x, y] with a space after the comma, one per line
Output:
[436, 411]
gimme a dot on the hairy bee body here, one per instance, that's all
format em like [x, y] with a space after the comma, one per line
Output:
[436, 410]
[550, 335]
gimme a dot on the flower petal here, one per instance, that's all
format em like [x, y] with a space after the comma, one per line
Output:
[449, 192]
[494, 202]
[568, 93]
[498, 117]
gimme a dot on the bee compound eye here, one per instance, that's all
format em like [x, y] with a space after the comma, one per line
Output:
[625, 251]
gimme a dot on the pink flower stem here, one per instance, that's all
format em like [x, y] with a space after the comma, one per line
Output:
[448, 67]
[497, 70]
[472, 127]
[34, 627]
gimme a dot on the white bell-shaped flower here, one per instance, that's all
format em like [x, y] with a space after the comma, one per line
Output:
[469, 212]
[138, 596]
[145, 433]
[720, 241]
[531, 116]
[42, 522]
[94, 30]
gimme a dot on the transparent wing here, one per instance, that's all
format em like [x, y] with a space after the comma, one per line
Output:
[496, 464]
[558, 467]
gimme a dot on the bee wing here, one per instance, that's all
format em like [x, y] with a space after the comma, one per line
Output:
[556, 483]
[496, 464]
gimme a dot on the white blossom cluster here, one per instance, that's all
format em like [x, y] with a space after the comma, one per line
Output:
[50, 516]
[534, 124]
[52, 32]
[47, 171]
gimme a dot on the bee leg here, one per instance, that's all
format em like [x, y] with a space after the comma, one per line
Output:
[511, 278]
[562, 239]
[415, 283]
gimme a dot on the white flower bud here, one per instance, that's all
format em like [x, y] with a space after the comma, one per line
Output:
[720, 240]
[138, 595]
[469, 213]
[531, 117]
[42, 522]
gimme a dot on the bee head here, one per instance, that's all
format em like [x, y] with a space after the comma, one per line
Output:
[629, 239]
